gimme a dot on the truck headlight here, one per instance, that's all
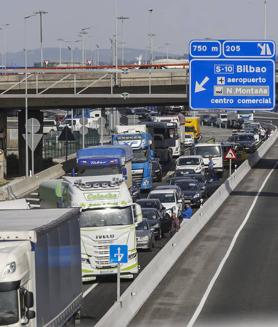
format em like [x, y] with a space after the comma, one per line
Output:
[197, 195]
[132, 256]
[10, 268]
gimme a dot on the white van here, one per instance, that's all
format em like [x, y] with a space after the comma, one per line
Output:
[193, 162]
[207, 150]
[222, 120]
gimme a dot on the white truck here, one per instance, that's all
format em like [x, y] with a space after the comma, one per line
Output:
[108, 216]
[213, 150]
[40, 267]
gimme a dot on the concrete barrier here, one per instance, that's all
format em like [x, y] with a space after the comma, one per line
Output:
[22, 187]
[121, 313]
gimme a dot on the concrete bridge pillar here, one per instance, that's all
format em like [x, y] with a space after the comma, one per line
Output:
[38, 160]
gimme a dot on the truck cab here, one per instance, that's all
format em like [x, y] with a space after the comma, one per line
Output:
[140, 141]
[213, 150]
[40, 264]
[106, 160]
[177, 132]
[108, 216]
[192, 127]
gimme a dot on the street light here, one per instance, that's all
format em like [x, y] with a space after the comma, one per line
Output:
[41, 12]
[97, 54]
[4, 54]
[60, 50]
[82, 35]
[151, 35]
[122, 19]
[265, 19]
[167, 49]
[26, 98]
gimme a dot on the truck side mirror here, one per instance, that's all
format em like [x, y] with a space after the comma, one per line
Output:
[138, 216]
[28, 299]
[30, 314]
[124, 171]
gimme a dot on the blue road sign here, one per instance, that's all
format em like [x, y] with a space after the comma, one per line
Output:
[241, 77]
[118, 253]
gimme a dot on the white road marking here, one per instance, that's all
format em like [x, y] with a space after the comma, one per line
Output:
[225, 258]
[89, 290]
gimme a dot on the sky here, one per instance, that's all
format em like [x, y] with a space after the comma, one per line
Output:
[172, 21]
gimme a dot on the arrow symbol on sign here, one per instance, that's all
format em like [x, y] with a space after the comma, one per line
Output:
[199, 87]
[119, 255]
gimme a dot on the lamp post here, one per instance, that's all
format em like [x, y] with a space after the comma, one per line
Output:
[122, 19]
[60, 50]
[265, 19]
[97, 54]
[4, 53]
[150, 35]
[167, 49]
[26, 98]
[116, 37]
[82, 34]
[40, 13]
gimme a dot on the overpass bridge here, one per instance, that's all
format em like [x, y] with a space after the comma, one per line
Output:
[82, 87]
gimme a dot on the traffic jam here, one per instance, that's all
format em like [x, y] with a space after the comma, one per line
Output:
[137, 190]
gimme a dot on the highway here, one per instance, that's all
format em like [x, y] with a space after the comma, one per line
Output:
[100, 295]
[215, 285]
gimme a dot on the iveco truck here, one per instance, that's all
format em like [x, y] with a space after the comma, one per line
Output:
[108, 217]
[40, 267]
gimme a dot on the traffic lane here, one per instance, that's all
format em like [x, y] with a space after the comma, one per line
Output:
[102, 297]
[93, 309]
[179, 293]
[251, 269]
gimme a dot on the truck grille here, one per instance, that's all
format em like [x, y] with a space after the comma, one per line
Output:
[101, 253]
[137, 178]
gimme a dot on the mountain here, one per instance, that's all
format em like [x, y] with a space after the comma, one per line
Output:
[16, 59]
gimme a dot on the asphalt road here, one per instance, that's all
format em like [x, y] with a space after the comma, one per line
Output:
[247, 286]
[100, 295]
[251, 270]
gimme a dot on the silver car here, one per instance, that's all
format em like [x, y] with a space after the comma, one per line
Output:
[145, 236]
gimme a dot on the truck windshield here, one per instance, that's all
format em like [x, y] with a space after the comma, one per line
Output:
[207, 151]
[140, 155]
[8, 308]
[96, 171]
[189, 129]
[106, 217]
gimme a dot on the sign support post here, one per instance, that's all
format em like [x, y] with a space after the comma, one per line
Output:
[230, 167]
[118, 282]
[118, 254]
